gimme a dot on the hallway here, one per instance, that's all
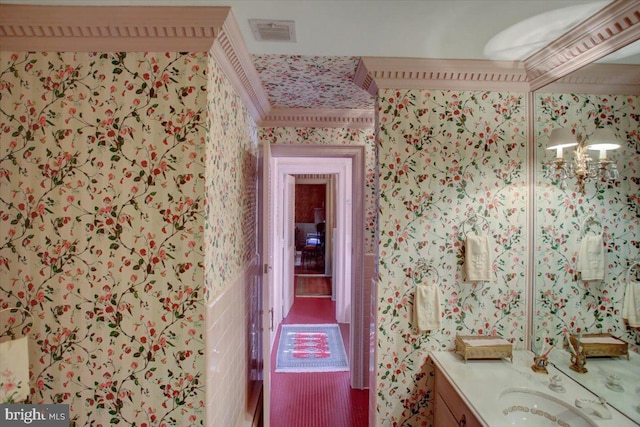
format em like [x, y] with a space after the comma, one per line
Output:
[315, 399]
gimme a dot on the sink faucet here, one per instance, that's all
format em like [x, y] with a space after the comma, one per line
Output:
[598, 408]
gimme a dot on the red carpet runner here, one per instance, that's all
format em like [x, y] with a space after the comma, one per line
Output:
[316, 399]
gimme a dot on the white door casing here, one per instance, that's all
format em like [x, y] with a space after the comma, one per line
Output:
[264, 223]
[342, 270]
[275, 246]
[330, 202]
[288, 243]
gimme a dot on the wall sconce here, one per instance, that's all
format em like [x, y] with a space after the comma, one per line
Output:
[582, 167]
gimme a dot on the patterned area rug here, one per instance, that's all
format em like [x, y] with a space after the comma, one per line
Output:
[313, 286]
[311, 348]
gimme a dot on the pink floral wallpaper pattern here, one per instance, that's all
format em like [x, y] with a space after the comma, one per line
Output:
[293, 81]
[232, 148]
[564, 303]
[115, 229]
[102, 176]
[443, 158]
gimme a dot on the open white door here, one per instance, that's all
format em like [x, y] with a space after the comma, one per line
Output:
[289, 244]
[352, 300]
[265, 240]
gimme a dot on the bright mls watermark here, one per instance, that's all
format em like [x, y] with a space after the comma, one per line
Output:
[34, 415]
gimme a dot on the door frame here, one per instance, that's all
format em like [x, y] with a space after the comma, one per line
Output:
[288, 243]
[359, 305]
[341, 168]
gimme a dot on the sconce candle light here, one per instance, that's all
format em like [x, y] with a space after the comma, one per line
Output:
[583, 166]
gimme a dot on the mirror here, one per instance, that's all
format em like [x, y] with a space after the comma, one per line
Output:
[609, 211]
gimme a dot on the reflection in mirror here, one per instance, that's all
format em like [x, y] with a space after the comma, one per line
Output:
[615, 379]
[572, 296]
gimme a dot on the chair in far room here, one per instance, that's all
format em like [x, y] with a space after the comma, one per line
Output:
[312, 250]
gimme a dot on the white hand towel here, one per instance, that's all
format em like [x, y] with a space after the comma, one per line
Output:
[14, 370]
[426, 307]
[478, 258]
[631, 305]
[591, 258]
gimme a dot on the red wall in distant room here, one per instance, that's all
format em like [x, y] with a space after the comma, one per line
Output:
[309, 196]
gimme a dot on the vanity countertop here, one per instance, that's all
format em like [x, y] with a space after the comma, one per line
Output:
[480, 382]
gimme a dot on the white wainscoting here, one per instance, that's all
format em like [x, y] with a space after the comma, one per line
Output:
[232, 398]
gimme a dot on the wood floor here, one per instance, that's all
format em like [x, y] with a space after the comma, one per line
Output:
[316, 399]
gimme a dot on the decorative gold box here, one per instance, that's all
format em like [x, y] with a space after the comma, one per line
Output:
[483, 347]
[601, 345]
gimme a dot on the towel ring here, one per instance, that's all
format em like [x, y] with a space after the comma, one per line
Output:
[590, 221]
[635, 265]
[427, 266]
[473, 219]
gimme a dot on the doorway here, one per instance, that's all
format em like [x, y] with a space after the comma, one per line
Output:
[284, 168]
[347, 164]
[314, 224]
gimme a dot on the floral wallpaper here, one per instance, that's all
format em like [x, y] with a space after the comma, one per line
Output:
[118, 224]
[293, 81]
[233, 292]
[231, 185]
[327, 136]
[564, 303]
[102, 174]
[445, 159]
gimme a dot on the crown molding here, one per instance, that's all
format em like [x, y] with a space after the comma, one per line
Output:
[364, 80]
[320, 117]
[109, 28]
[416, 73]
[138, 28]
[599, 78]
[613, 27]
[231, 54]
[312, 178]
[215, 30]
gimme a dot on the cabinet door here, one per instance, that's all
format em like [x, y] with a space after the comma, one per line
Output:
[443, 416]
[450, 409]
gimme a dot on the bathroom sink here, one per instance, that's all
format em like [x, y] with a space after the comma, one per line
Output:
[526, 407]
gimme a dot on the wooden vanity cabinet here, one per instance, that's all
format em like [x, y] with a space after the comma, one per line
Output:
[450, 409]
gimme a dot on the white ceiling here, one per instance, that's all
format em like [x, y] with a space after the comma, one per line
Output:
[414, 29]
[457, 29]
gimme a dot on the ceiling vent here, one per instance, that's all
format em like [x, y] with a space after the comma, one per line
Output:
[273, 31]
